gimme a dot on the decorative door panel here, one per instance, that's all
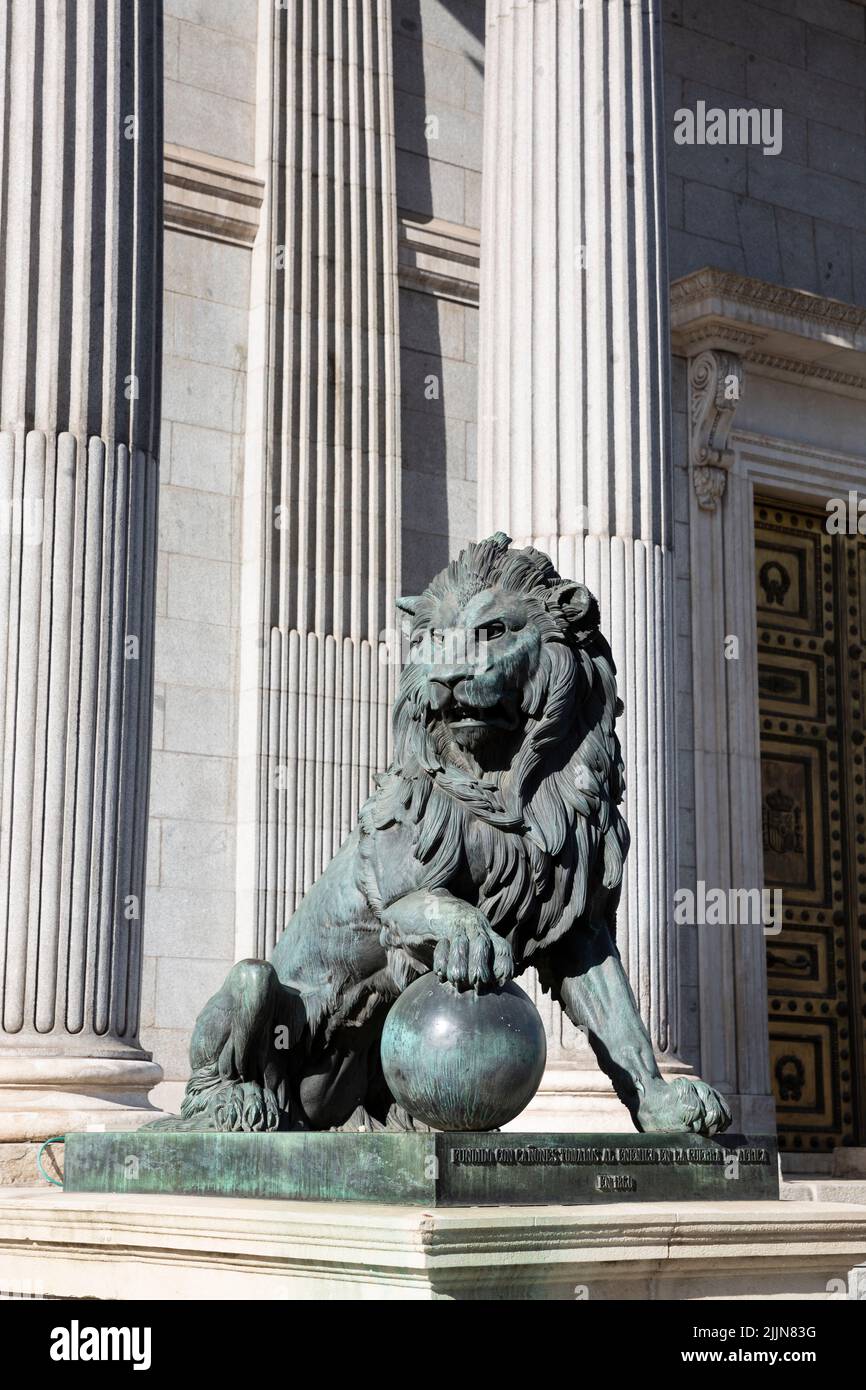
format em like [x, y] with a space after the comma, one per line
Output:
[794, 786]
[811, 601]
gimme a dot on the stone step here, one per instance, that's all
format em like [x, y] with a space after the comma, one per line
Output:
[825, 1190]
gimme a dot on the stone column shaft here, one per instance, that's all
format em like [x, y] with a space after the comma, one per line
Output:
[80, 313]
[574, 436]
[321, 551]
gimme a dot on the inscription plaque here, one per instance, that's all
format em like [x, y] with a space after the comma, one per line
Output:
[429, 1169]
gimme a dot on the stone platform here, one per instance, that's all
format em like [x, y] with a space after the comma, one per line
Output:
[434, 1170]
[110, 1246]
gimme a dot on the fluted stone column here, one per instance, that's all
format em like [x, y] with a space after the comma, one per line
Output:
[321, 505]
[80, 311]
[574, 447]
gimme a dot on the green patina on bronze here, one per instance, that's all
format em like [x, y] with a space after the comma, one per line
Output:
[434, 1169]
[455, 1059]
[494, 841]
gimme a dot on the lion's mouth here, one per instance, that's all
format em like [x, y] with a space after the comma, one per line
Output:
[502, 715]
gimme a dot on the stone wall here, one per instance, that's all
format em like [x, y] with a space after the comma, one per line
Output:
[438, 74]
[190, 910]
[211, 109]
[797, 218]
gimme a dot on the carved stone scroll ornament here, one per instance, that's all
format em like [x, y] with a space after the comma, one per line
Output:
[715, 388]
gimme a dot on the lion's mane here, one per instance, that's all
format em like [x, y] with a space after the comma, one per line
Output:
[548, 828]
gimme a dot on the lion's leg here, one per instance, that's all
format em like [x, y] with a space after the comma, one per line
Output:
[588, 979]
[239, 1053]
[440, 931]
[587, 976]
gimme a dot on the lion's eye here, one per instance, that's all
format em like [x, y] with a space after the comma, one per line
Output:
[491, 631]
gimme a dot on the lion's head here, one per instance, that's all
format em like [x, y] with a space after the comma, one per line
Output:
[487, 636]
[505, 752]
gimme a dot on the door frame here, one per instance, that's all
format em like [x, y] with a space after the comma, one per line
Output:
[727, 767]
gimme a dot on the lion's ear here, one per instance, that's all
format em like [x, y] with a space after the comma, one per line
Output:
[577, 605]
[408, 603]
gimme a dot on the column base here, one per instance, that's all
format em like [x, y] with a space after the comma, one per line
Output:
[45, 1097]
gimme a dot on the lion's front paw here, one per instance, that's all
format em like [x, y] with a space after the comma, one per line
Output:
[687, 1105]
[473, 955]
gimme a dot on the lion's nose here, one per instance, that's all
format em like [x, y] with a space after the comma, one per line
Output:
[446, 687]
[440, 693]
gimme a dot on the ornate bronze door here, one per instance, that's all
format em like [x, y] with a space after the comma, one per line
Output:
[811, 603]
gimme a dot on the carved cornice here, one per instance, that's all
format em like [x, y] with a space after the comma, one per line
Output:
[761, 297]
[438, 257]
[717, 334]
[777, 331]
[211, 197]
[789, 366]
[715, 388]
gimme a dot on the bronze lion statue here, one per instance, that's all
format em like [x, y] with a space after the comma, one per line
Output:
[493, 841]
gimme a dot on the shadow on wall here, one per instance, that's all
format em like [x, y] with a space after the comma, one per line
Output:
[427, 433]
[764, 148]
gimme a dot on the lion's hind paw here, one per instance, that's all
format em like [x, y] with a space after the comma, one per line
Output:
[245, 1107]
